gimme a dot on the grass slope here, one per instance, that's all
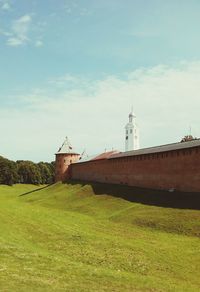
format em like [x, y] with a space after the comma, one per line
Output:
[73, 237]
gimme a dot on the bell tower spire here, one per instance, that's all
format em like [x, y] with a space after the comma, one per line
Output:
[131, 133]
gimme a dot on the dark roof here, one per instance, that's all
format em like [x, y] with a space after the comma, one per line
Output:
[157, 149]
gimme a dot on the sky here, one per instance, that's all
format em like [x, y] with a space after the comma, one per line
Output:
[75, 68]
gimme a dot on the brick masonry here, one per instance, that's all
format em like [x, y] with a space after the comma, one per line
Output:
[177, 169]
[63, 161]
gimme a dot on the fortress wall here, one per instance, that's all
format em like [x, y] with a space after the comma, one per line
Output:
[178, 169]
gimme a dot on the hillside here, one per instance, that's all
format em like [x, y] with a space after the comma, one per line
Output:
[76, 237]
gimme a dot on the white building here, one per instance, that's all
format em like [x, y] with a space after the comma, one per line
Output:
[132, 134]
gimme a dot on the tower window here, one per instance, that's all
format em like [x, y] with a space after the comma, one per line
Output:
[127, 132]
[131, 131]
[126, 137]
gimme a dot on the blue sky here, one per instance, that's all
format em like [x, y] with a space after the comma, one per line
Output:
[76, 67]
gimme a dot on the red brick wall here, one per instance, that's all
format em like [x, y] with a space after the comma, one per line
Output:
[179, 169]
[62, 165]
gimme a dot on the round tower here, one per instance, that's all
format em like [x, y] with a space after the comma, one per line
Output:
[64, 158]
[131, 134]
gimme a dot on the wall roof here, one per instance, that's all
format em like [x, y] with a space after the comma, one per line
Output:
[157, 149]
[104, 155]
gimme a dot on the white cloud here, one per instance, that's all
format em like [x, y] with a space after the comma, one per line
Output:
[166, 101]
[24, 31]
[71, 81]
[85, 12]
[5, 33]
[20, 29]
[76, 10]
[6, 6]
[38, 43]
[14, 42]
[68, 10]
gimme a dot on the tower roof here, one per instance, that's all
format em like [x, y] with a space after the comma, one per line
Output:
[66, 147]
[132, 115]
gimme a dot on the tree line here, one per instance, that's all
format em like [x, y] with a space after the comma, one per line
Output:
[26, 172]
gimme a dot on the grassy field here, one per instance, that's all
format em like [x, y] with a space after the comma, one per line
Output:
[74, 237]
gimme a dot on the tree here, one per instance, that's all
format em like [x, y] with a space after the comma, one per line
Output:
[29, 172]
[8, 171]
[26, 172]
[47, 172]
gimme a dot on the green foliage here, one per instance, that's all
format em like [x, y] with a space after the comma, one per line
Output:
[8, 172]
[73, 237]
[26, 172]
[29, 173]
[46, 172]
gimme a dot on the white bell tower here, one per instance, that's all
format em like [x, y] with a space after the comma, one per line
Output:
[132, 134]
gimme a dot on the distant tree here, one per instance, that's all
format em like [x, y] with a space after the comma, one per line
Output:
[47, 172]
[8, 171]
[29, 172]
[52, 169]
[25, 172]
[51, 166]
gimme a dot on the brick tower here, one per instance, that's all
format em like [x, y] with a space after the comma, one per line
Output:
[64, 157]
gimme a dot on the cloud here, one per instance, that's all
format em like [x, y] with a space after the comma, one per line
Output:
[85, 12]
[14, 42]
[73, 8]
[24, 31]
[38, 43]
[5, 5]
[20, 30]
[93, 113]
[69, 81]
[5, 33]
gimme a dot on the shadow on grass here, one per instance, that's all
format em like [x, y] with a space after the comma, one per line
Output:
[36, 190]
[179, 200]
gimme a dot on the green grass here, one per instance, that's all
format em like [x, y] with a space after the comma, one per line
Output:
[73, 237]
